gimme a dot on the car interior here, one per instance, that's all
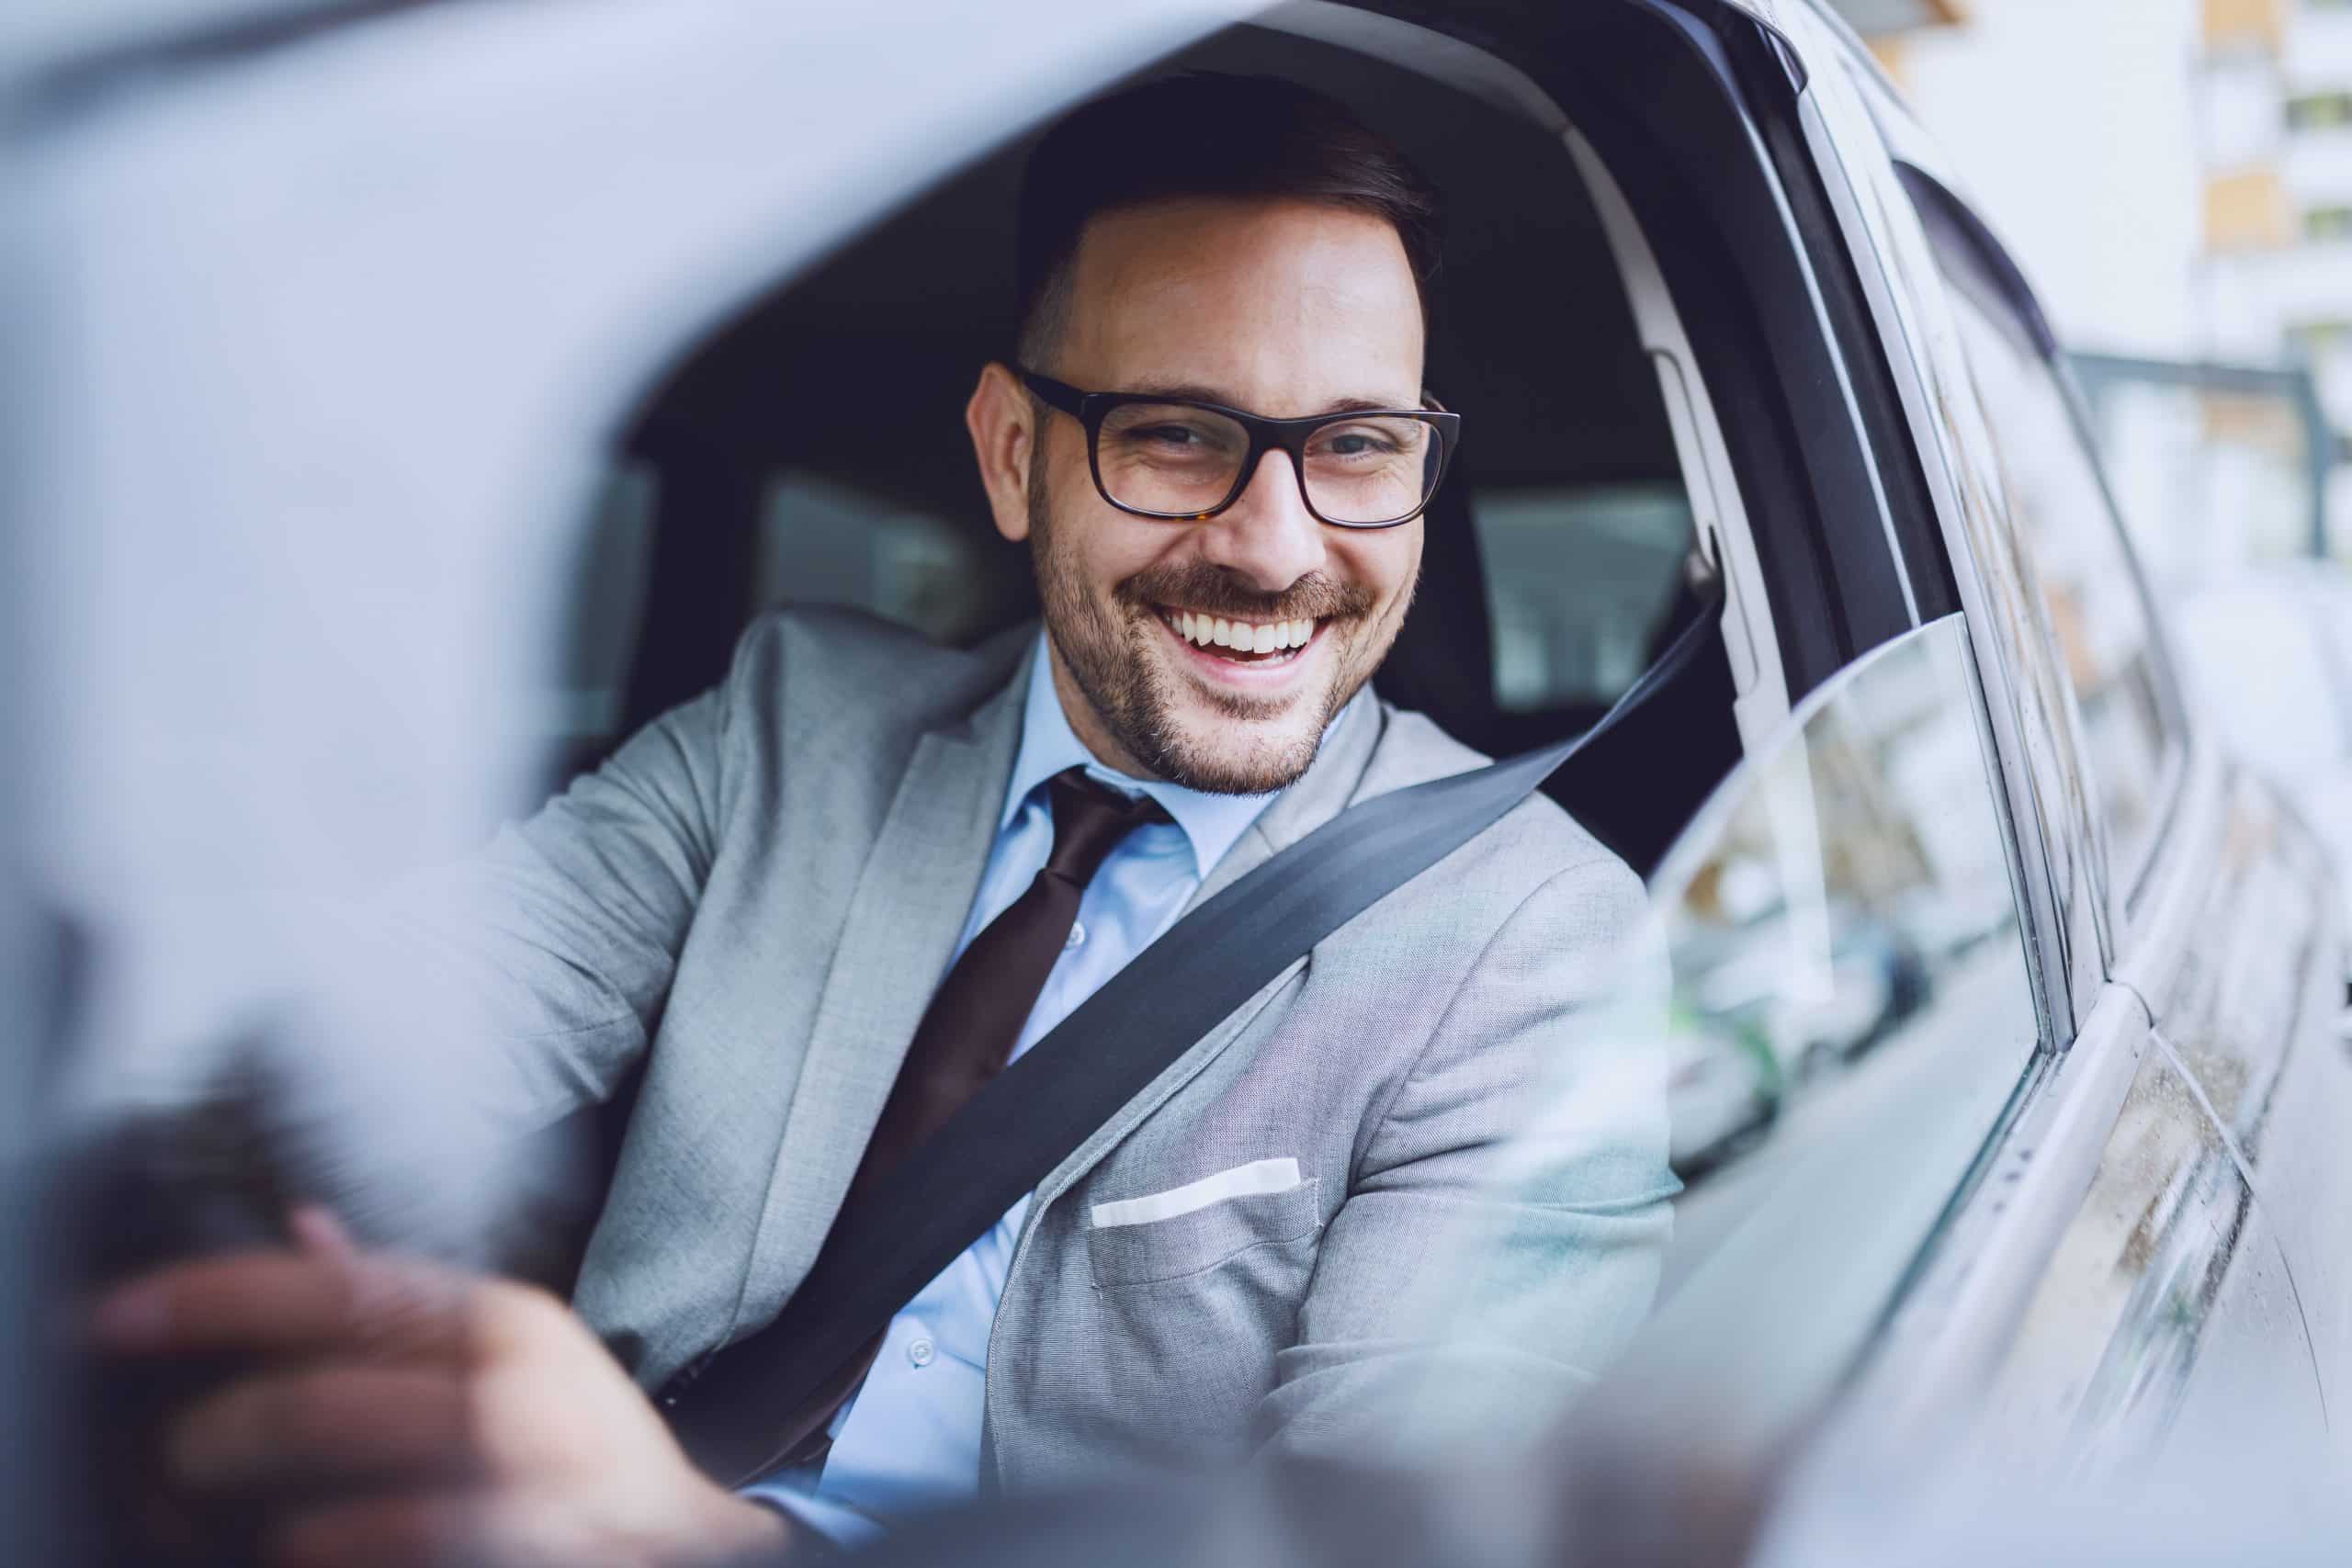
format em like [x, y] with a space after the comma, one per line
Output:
[813, 451]
[1636, 480]
[809, 449]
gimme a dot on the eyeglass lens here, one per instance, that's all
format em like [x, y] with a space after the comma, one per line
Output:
[1173, 458]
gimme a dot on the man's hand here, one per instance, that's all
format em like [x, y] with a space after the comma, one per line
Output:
[399, 1413]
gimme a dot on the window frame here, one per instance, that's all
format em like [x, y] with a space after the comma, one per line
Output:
[1862, 135]
[1671, 106]
[1962, 243]
[1759, 372]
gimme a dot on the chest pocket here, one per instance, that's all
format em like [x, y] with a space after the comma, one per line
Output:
[1193, 1228]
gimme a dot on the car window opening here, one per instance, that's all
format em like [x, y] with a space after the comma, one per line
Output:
[1560, 555]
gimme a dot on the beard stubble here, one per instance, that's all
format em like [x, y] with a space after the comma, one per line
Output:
[1104, 644]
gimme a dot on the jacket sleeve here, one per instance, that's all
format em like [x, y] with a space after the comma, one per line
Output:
[555, 945]
[1503, 1234]
[574, 915]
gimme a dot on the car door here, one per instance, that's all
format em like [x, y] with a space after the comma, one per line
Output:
[2114, 1281]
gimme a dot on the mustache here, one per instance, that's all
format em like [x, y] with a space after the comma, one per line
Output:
[1200, 586]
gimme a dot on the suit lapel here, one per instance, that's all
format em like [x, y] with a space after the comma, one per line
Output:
[911, 904]
[1327, 789]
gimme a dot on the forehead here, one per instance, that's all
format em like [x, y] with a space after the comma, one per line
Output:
[1282, 307]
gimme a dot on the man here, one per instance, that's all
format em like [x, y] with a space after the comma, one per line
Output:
[826, 900]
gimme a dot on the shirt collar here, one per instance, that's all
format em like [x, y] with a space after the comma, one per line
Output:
[1211, 822]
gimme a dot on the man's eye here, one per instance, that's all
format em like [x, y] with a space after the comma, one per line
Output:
[1167, 435]
[1359, 443]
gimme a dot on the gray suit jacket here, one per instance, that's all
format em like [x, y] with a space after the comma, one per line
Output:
[763, 888]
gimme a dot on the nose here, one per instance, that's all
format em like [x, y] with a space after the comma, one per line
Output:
[1267, 537]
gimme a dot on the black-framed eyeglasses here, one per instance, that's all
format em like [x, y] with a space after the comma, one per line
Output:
[1182, 459]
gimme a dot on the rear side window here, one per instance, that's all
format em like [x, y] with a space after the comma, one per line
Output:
[2098, 615]
[1582, 584]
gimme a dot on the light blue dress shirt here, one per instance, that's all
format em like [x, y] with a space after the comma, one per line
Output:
[910, 1439]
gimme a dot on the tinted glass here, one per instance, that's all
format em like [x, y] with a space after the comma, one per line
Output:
[825, 542]
[1580, 585]
[2097, 619]
[1848, 1013]
[1831, 930]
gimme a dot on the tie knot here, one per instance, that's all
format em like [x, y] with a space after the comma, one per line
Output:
[1089, 820]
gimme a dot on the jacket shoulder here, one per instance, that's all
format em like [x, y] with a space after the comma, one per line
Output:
[830, 666]
[1537, 833]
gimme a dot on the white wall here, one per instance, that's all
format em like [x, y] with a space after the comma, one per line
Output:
[2320, 51]
[2072, 121]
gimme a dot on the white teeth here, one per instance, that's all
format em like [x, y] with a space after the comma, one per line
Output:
[1242, 637]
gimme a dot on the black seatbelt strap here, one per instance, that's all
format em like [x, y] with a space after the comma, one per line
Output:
[886, 1245]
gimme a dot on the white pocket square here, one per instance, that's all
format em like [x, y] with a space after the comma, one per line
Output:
[1256, 1179]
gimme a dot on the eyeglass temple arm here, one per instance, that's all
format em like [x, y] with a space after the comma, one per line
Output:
[1056, 394]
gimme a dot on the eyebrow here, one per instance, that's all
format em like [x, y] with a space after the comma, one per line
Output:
[1194, 391]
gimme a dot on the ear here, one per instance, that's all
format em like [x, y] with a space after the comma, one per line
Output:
[1004, 422]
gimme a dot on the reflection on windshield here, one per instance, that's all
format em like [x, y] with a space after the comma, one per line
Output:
[1849, 1011]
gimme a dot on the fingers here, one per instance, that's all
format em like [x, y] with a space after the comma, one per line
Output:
[323, 1428]
[323, 1298]
[316, 1230]
[444, 1530]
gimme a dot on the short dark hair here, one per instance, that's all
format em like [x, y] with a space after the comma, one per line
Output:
[1203, 134]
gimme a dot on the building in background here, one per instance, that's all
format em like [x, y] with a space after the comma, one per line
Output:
[2175, 176]
[2274, 87]
[2072, 124]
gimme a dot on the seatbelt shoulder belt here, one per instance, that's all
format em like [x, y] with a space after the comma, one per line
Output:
[887, 1244]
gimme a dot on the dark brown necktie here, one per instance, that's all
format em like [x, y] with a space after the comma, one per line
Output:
[968, 1032]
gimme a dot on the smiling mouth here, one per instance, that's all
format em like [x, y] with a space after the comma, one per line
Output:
[1263, 643]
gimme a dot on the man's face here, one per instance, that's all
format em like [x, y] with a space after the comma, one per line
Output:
[1281, 309]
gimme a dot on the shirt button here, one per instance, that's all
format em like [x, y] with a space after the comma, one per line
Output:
[920, 1351]
[1077, 937]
